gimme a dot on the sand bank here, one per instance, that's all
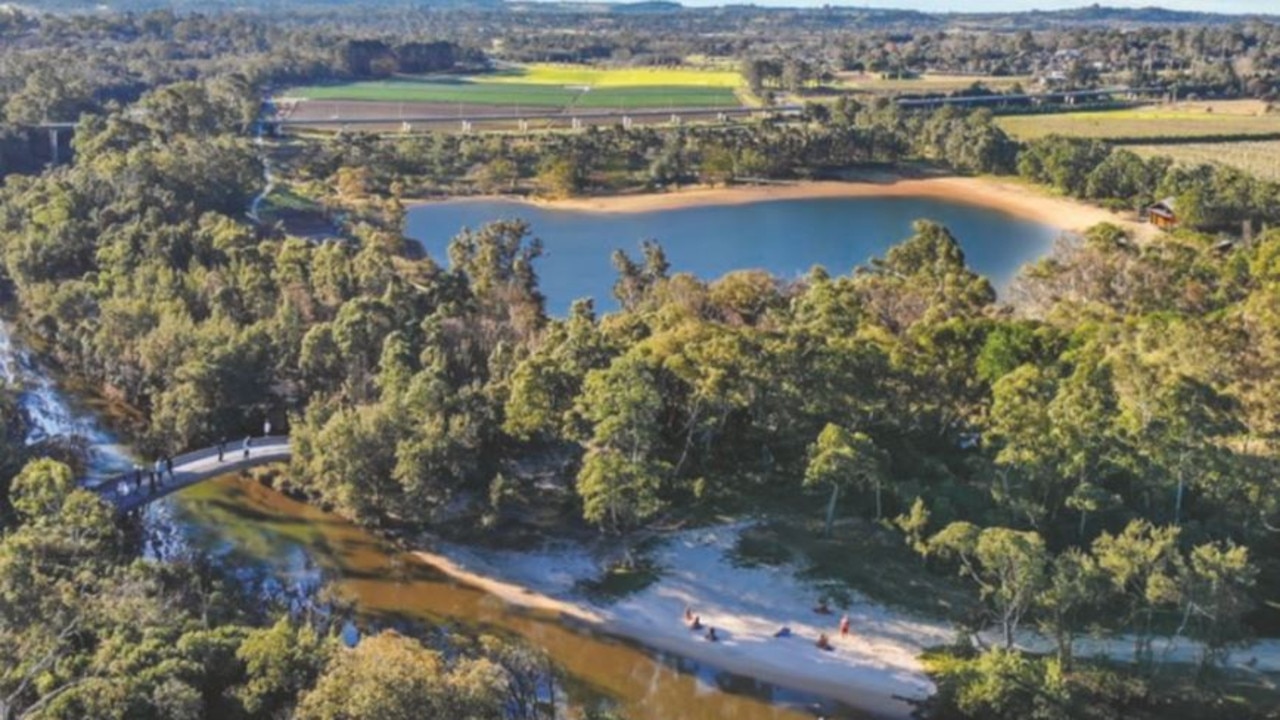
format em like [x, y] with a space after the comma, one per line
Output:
[871, 670]
[1009, 196]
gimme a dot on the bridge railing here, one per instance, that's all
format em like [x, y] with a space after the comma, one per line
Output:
[234, 451]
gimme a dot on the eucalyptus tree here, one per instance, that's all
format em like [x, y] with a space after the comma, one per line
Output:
[839, 458]
[623, 470]
[1009, 566]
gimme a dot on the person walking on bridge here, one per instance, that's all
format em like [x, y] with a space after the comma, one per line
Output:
[160, 470]
[248, 443]
[168, 465]
[222, 448]
[137, 477]
[266, 429]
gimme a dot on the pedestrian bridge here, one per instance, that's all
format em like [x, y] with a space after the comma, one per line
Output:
[127, 494]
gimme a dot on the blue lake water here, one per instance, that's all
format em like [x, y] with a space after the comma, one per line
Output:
[785, 237]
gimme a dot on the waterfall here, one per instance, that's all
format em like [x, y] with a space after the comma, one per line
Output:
[51, 416]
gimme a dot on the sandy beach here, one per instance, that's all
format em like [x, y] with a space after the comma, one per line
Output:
[872, 669]
[1009, 196]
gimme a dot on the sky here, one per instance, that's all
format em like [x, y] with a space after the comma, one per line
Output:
[1218, 6]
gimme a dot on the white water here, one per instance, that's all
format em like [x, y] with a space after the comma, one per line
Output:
[50, 416]
[267, 177]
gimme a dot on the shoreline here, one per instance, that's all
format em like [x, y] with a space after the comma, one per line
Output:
[874, 671]
[1008, 196]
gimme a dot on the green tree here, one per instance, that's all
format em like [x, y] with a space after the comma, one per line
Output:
[839, 458]
[39, 492]
[1009, 567]
[1143, 566]
[392, 677]
[280, 662]
[622, 471]
[560, 177]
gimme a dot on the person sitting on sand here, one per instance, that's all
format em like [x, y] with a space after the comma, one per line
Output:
[823, 608]
[785, 632]
[711, 635]
[844, 626]
[697, 623]
[823, 642]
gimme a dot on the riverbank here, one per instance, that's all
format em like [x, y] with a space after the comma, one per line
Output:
[1007, 195]
[874, 669]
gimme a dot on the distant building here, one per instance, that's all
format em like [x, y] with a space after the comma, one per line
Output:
[1163, 214]
[1053, 79]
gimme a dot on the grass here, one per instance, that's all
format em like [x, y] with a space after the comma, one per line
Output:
[1258, 158]
[548, 86]
[438, 90]
[860, 556]
[1188, 120]
[283, 199]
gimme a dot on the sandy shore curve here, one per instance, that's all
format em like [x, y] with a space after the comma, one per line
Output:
[1006, 195]
[874, 670]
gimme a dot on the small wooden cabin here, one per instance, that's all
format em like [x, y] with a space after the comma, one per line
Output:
[1163, 214]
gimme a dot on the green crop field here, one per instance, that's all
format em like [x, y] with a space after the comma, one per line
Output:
[1188, 120]
[436, 90]
[547, 86]
[1260, 159]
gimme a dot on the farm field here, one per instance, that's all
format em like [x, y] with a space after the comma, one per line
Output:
[1185, 120]
[439, 90]
[927, 83]
[1260, 159]
[598, 77]
[546, 86]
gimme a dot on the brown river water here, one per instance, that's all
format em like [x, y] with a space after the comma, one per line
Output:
[293, 549]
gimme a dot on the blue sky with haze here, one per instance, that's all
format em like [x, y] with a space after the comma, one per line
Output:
[1219, 6]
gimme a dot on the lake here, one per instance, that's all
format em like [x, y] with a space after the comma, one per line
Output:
[785, 237]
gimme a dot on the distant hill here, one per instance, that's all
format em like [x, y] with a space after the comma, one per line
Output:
[1099, 15]
[616, 8]
[1093, 15]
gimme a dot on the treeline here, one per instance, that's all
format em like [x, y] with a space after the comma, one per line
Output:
[89, 631]
[792, 74]
[54, 68]
[354, 165]
[376, 58]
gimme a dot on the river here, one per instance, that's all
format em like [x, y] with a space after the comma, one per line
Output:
[785, 237]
